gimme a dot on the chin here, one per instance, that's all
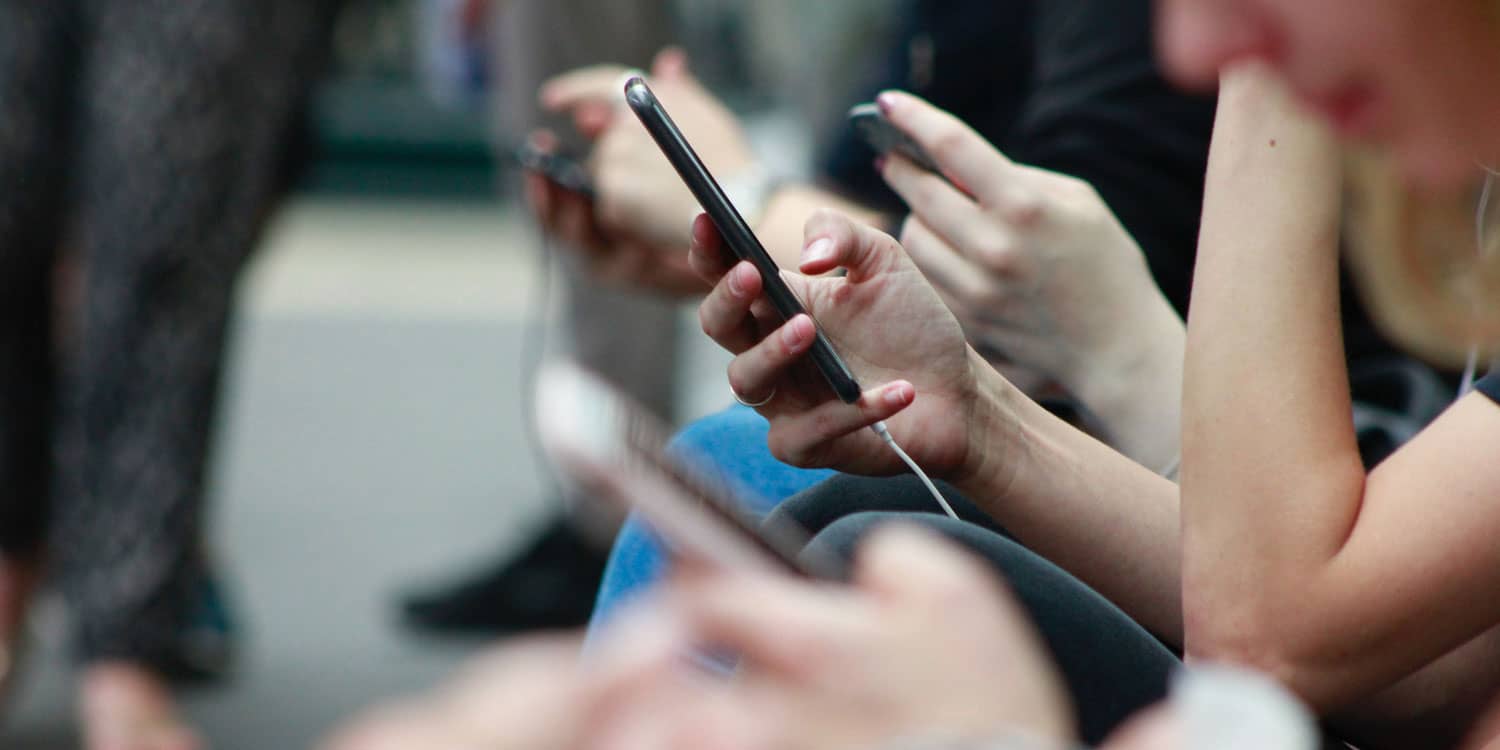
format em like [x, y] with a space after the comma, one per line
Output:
[1439, 167]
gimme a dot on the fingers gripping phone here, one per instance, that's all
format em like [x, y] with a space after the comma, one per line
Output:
[737, 234]
[885, 138]
[565, 171]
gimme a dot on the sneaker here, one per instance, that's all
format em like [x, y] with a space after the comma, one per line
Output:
[549, 585]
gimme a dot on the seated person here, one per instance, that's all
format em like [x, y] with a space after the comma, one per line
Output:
[1077, 92]
[1276, 516]
[1272, 517]
[882, 679]
[1098, 110]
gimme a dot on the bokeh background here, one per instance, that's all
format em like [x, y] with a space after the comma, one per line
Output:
[372, 434]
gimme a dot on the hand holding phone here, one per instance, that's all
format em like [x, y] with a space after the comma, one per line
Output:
[564, 171]
[737, 233]
[884, 137]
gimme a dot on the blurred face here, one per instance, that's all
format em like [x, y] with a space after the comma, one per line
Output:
[1417, 76]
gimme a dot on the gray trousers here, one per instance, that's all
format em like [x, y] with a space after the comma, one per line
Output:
[146, 137]
[631, 338]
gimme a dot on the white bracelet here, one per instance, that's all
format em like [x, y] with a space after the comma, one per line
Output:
[750, 191]
[1172, 468]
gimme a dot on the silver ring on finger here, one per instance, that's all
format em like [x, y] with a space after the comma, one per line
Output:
[753, 404]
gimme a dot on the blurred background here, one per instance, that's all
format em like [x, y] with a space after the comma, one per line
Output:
[371, 434]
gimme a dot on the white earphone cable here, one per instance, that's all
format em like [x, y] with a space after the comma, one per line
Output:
[885, 434]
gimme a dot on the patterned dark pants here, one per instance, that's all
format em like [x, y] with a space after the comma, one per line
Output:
[145, 138]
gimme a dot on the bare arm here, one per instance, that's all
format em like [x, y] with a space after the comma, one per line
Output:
[789, 208]
[1294, 560]
[642, 203]
[1081, 504]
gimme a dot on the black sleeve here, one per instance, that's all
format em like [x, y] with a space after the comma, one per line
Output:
[1102, 111]
[1489, 385]
[1066, 85]
[970, 57]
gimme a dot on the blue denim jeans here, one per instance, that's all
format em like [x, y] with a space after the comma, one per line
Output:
[730, 445]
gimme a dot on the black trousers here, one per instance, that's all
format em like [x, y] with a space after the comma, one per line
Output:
[1112, 666]
[144, 138]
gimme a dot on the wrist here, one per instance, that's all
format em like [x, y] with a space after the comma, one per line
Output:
[1146, 341]
[750, 188]
[995, 434]
[1133, 387]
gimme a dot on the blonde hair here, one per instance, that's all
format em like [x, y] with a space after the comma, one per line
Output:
[1428, 270]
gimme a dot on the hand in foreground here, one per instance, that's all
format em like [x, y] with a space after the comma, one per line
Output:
[536, 695]
[886, 322]
[924, 645]
[1033, 263]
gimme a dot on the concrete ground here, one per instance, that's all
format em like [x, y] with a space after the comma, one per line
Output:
[371, 439]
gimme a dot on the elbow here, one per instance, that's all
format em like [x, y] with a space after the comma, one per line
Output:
[1264, 639]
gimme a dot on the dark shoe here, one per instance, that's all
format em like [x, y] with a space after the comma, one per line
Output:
[206, 644]
[549, 585]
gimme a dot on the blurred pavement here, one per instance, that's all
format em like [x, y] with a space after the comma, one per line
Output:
[372, 440]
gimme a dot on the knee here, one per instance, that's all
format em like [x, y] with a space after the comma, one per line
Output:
[736, 426]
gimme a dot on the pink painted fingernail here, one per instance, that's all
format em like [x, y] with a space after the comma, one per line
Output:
[886, 101]
[737, 281]
[820, 250]
[899, 394]
[797, 333]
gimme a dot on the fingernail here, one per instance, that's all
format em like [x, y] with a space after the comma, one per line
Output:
[737, 281]
[797, 333]
[820, 250]
[886, 101]
[880, 163]
[898, 394]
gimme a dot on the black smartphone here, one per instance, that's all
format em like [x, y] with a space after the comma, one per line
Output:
[564, 170]
[736, 231]
[885, 138]
[619, 452]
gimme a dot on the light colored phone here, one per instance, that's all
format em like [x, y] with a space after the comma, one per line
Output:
[618, 452]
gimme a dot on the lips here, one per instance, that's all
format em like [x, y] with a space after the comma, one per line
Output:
[1350, 109]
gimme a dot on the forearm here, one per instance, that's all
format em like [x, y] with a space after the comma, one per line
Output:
[1271, 476]
[1084, 506]
[786, 212]
[1135, 393]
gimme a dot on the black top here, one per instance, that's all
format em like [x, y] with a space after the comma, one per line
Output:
[1489, 385]
[1072, 86]
[1066, 85]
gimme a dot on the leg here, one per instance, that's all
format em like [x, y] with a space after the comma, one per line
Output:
[36, 70]
[1111, 665]
[844, 495]
[628, 337]
[185, 108]
[36, 74]
[730, 446]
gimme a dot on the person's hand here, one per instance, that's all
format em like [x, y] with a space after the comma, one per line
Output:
[618, 259]
[633, 231]
[1033, 263]
[889, 326]
[524, 695]
[536, 695]
[924, 644]
[639, 193]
